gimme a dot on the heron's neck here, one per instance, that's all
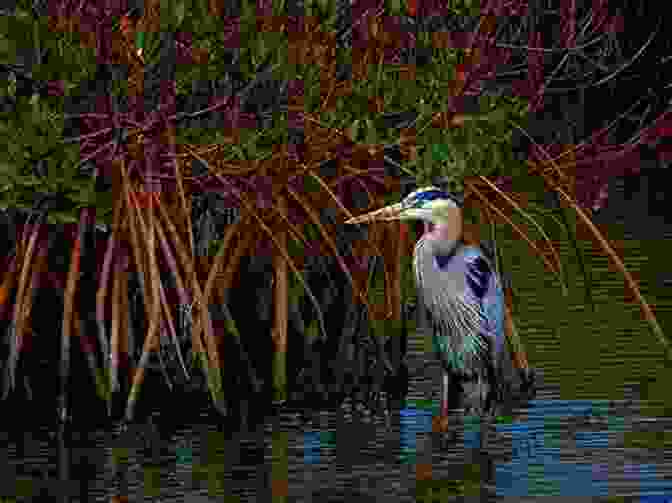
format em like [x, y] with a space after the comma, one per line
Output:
[443, 236]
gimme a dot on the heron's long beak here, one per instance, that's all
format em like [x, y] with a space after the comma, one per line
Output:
[391, 212]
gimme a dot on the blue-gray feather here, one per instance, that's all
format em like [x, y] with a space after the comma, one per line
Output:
[462, 285]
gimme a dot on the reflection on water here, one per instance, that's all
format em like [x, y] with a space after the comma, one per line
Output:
[551, 448]
[548, 458]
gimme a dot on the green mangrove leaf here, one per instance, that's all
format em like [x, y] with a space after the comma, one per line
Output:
[180, 9]
[371, 133]
[353, 130]
[31, 181]
[61, 217]
[440, 152]
[295, 248]
[7, 172]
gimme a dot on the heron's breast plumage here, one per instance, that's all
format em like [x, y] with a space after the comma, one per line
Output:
[465, 281]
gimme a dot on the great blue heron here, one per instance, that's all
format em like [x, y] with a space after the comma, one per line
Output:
[460, 289]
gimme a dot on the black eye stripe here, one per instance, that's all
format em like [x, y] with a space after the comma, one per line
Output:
[432, 195]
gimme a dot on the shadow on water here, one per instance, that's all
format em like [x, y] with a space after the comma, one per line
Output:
[550, 448]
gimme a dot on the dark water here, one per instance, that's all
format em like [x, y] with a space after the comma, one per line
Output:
[578, 448]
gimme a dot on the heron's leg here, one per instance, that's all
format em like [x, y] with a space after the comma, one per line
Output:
[440, 423]
[445, 388]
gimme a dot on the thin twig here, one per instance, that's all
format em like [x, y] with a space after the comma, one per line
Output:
[515, 205]
[19, 318]
[648, 313]
[66, 328]
[485, 200]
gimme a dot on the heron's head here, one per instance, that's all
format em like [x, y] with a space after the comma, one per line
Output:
[429, 204]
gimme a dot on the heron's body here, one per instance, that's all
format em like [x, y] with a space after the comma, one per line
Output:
[458, 285]
[469, 342]
[473, 283]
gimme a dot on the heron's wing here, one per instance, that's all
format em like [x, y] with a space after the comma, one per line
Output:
[485, 287]
[510, 358]
[499, 308]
